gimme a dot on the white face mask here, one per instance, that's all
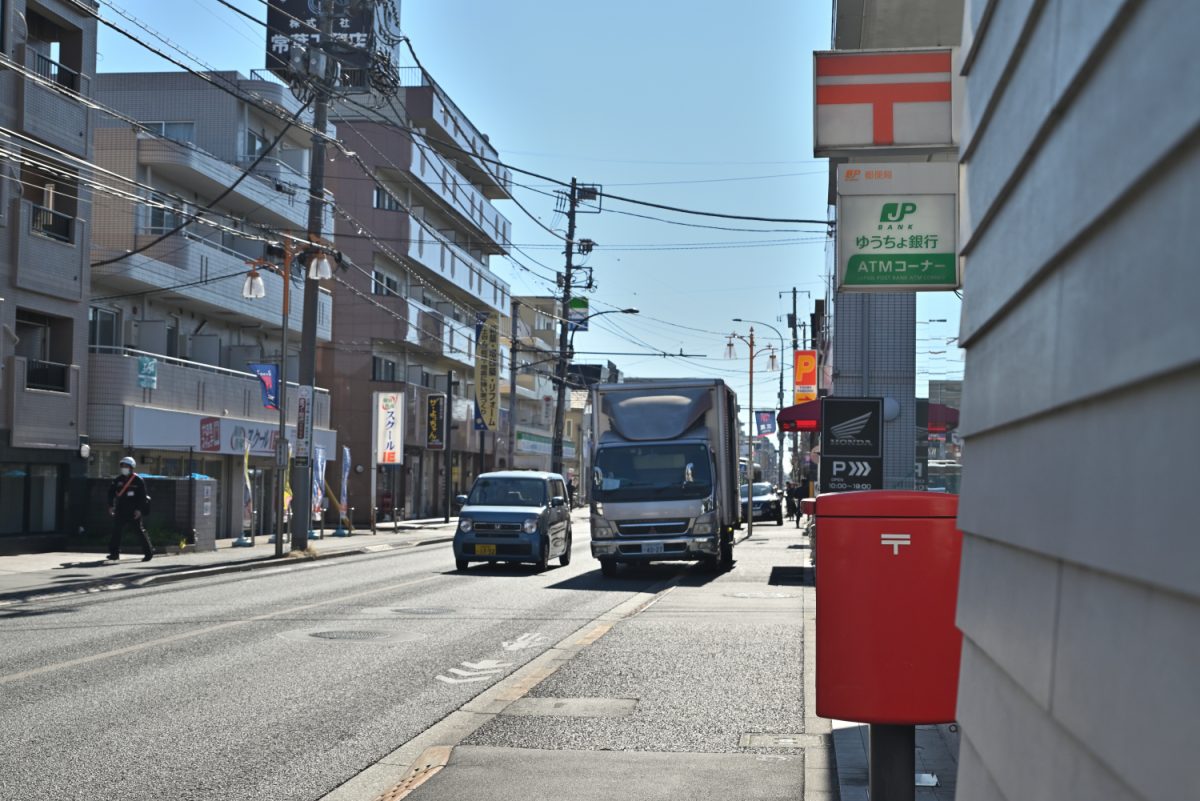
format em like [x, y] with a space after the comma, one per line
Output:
[126, 471]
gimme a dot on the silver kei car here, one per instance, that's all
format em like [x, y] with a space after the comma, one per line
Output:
[514, 516]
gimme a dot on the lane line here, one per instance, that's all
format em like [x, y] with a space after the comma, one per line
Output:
[129, 649]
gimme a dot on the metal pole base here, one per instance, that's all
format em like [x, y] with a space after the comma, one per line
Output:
[893, 762]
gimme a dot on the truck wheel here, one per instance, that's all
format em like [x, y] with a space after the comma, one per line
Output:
[725, 561]
[565, 558]
[461, 565]
[608, 567]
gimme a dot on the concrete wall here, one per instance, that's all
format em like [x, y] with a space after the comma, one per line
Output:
[1080, 591]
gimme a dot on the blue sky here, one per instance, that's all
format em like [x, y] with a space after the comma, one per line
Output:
[704, 105]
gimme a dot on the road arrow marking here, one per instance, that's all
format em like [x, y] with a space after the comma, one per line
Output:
[527, 640]
[487, 664]
[449, 680]
[458, 672]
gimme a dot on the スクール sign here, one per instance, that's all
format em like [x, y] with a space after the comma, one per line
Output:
[389, 427]
[897, 227]
[851, 444]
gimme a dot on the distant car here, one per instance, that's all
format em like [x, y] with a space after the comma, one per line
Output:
[765, 503]
[514, 516]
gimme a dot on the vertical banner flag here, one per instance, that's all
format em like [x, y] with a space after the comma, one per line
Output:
[388, 419]
[345, 481]
[882, 98]
[435, 417]
[247, 490]
[487, 371]
[318, 482]
[765, 422]
[268, 376]
[804, 375]
[287, 484]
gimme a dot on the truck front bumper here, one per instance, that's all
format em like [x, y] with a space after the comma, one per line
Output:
[656, 550]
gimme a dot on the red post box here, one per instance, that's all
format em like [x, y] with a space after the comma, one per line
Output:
[887, 584]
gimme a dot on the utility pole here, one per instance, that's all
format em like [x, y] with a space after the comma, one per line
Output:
[556, 450]
[794, 472]
[512, 385]
[302, 486]
[448, 452]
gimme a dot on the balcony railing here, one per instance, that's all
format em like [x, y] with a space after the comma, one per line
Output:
[49, 376]
[52, 224]
[53, 71]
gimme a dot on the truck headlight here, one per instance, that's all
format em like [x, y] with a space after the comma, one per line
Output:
[465, 525]
[530, 526]
[705, 524]
[601, 530]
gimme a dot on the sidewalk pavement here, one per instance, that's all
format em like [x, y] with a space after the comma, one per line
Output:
[25, 577]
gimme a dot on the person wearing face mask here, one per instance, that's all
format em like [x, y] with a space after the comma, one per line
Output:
[127, 505]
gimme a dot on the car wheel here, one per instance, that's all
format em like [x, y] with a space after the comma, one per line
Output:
[608, 567]
[543, 560]
[461, 565]
[565, 558]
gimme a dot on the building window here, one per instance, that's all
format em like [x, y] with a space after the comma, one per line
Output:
[386, 200]
[163, 220]
[383, 369]
[175, 131]
[384, 284]
[256, 144]
[102, 328]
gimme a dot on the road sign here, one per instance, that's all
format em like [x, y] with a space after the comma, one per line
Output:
[851, 444]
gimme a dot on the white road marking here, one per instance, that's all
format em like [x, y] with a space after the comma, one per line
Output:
[487, 664]
[449, 680]
[530, 639]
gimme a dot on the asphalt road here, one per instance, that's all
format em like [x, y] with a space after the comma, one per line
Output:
[281, 683]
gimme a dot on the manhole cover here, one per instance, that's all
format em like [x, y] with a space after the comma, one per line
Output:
[350, 635]
[761, 595]
[372, 636]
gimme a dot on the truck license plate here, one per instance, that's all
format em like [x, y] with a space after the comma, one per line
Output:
[485, 550]
[652, 547]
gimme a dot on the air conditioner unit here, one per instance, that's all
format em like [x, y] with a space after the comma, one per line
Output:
[129, 336]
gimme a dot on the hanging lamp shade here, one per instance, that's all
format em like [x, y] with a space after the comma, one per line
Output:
[318, 267]
[254, 288]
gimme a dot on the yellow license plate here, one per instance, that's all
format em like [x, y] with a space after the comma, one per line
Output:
[485, 550]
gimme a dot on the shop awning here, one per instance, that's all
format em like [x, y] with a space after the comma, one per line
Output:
[801, 417]
[942, 417]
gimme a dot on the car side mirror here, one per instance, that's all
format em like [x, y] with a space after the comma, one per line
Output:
[460, 500]
[557, 501]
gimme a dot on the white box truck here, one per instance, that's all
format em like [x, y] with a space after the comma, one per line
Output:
[664, 473]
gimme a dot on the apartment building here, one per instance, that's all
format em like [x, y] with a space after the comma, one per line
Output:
[45, 194]
[417, 226]
[171, 336]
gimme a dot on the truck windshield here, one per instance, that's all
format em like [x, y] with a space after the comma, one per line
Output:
[652, 473]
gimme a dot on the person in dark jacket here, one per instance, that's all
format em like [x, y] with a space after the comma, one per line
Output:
[127, 505]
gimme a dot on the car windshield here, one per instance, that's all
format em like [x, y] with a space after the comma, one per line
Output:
[652, 473]
[759, 489]
[508, 492]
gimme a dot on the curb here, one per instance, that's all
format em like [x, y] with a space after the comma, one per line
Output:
[241, 566]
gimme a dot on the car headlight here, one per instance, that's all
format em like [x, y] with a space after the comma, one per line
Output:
[601, 530]
[465, 525]
[530, 525]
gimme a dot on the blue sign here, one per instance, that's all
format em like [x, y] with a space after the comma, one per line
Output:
[268, 376]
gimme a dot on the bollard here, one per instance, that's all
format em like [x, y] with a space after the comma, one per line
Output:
[374, 512]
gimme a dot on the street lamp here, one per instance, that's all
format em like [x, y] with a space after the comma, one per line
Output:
[556, 448]
[772, 364]
[778, 430]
